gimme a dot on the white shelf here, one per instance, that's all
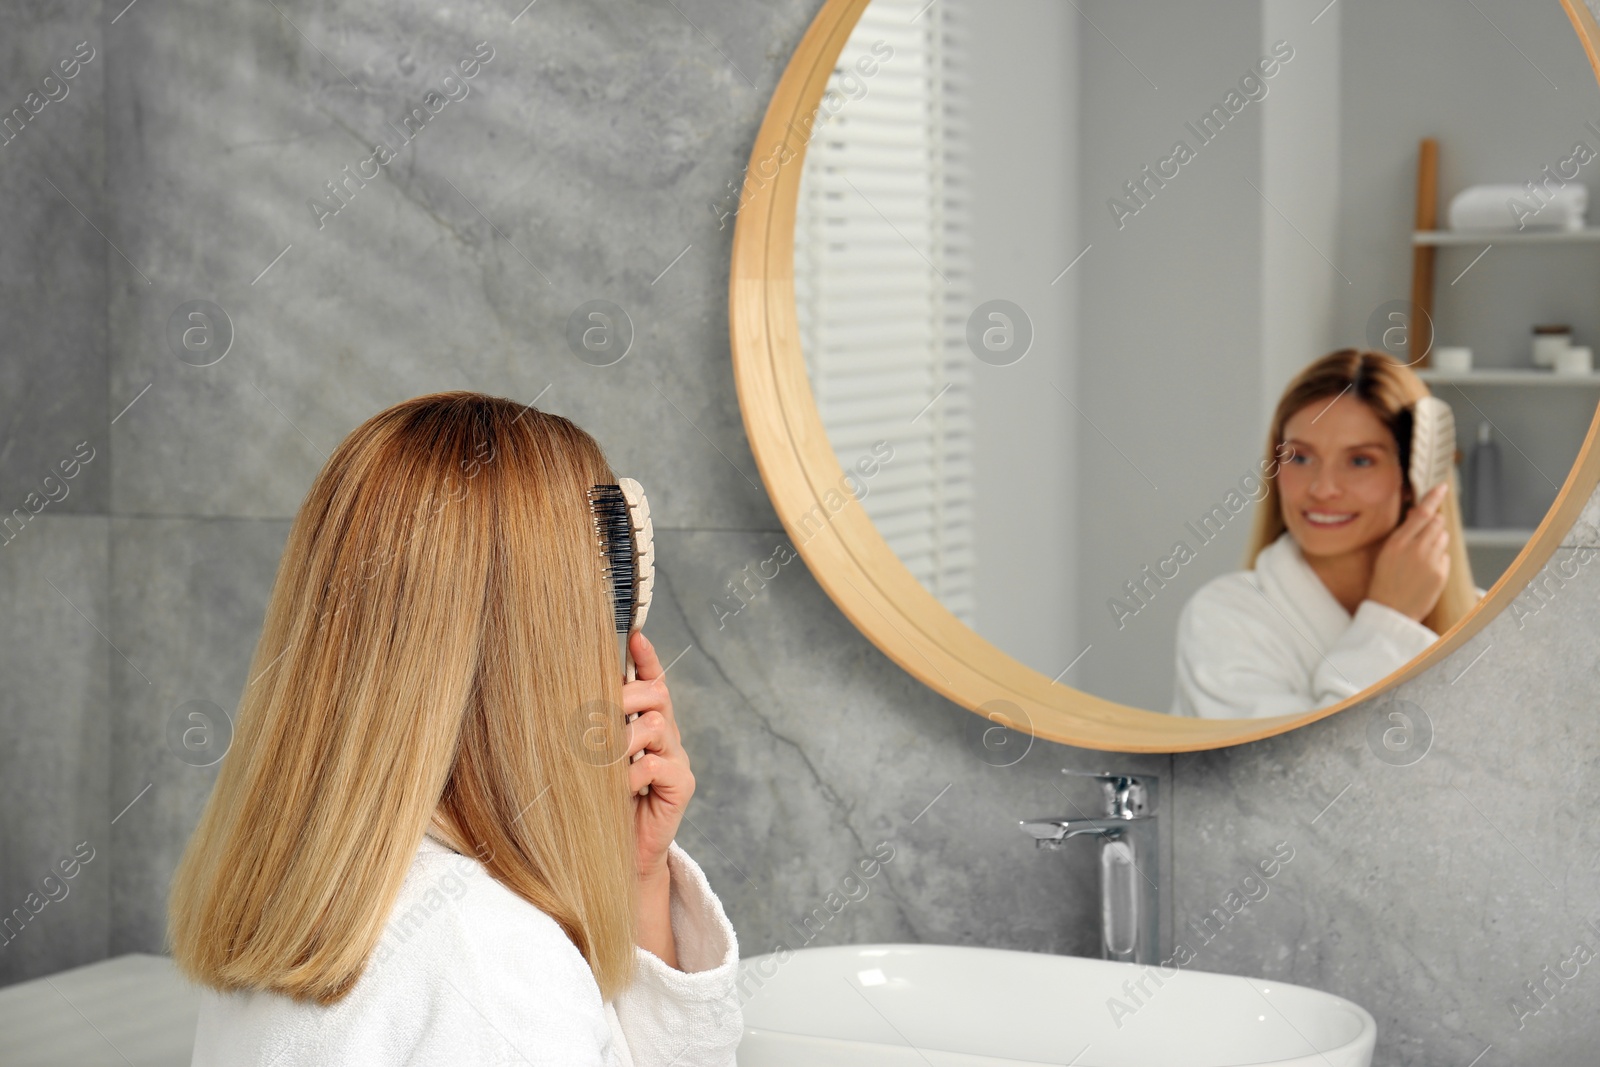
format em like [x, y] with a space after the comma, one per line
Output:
[1487, 538]
[1506, 237]
[1510, 376]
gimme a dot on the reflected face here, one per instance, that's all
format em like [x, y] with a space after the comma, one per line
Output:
[1341, 489]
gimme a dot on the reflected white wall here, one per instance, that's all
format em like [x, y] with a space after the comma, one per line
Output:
[1023, 164]
[1170, 369]
[1300, 283]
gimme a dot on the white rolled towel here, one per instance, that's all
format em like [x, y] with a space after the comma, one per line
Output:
[1516, 207]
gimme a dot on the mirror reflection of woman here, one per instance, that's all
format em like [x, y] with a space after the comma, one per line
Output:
[1350, 577]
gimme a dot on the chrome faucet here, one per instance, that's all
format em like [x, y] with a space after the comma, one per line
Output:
[1130, 867]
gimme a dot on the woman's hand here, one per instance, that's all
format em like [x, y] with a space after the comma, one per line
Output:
[664, 765]
[1413, 565]
[665, 768]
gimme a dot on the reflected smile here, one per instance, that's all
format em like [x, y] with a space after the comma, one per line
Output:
[1328, 519]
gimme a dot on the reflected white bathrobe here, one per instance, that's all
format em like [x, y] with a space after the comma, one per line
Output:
[1273, 640]
[467, 972]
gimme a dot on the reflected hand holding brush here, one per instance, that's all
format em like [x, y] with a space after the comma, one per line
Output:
[1411, 569]
[1413, 565]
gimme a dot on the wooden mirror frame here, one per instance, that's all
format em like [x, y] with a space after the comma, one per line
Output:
[842, 547]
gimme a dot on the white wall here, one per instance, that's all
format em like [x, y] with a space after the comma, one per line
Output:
[1170, 368]
[1300, 284]
[1024, 202]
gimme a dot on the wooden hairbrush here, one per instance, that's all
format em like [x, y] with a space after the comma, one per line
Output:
[627, 550]
[1433, 444]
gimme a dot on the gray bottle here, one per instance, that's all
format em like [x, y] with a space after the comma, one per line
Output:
[1483, 481]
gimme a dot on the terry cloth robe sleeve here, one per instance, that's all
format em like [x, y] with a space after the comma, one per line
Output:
[1274, 641]
[1236, 658]
[1378, 641]
[689, 1014]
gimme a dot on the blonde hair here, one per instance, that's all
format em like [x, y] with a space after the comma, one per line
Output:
[437, 640]
[1391, 390]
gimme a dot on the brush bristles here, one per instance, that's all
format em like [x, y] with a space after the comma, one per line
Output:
[614, 534]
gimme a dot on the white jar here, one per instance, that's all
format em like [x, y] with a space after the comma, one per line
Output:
[1548, 344]
[1452, 359]
[1575, 359]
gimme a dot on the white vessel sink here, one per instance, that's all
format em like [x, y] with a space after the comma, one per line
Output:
[944, 1006]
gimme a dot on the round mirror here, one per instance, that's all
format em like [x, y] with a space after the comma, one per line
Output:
[1090, 353]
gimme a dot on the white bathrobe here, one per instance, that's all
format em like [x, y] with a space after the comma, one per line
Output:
[1273, 640]
[467, 972]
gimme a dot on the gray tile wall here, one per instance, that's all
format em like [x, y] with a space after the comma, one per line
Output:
[583, 165]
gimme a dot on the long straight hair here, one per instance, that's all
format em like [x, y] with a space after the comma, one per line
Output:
[1391, 390]
[438, 639]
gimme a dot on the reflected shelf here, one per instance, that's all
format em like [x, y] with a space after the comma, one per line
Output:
[1508, 237]
[1489, 537]
[1507, 376]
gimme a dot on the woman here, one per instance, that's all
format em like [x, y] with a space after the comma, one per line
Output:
[1352, 578]
[422, 848]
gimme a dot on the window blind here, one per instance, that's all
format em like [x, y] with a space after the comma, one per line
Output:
[882, 283]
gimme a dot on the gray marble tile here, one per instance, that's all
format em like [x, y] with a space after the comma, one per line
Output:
[579, 167]
[188, 598]
[53, 263]
[1586, 531]
[55, 749]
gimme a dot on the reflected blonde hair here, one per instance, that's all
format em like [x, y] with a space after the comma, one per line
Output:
[438, 629]
[1391, 390]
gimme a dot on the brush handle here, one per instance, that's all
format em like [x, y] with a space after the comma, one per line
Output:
[643, 536]
[629, 674]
